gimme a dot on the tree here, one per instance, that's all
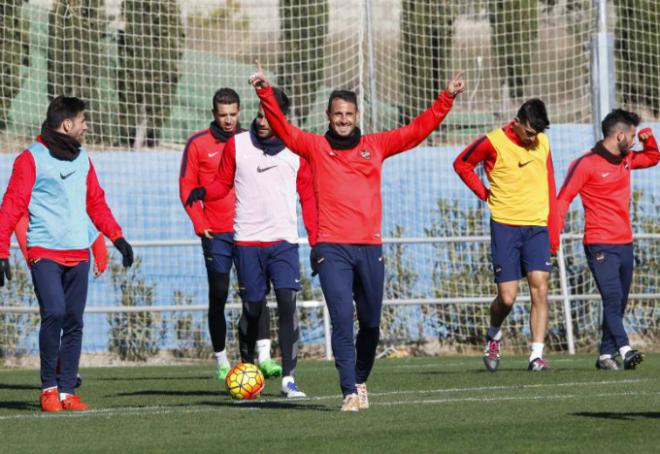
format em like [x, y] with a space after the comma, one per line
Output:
[514, 35]
[304, 27]
[14, 50]
[150, 48]
[75, 56]
[425, 52]
[637, 44]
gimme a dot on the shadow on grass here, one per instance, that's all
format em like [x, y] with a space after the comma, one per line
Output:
[622, 415]
[155, 392]
[18, 405]
[199, 377]
[279, 405]
[18, 387]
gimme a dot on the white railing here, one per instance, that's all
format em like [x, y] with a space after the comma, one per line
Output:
[565, 297]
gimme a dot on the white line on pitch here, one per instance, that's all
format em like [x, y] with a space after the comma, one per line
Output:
[255, 405]
[510, 398]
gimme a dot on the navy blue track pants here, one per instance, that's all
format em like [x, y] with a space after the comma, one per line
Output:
[353, 273]
[61, 292]
[612, 267]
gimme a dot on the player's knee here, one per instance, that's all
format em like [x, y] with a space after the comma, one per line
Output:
[506, 298]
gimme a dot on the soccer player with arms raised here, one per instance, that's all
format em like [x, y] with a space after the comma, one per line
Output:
[523, 225]
[266, 176]
[214, 224]
[602, 178]
[346, 168]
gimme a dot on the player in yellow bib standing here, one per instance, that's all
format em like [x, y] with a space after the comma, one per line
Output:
[523, 226]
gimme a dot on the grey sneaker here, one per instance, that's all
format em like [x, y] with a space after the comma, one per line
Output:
[351, 403]
[363, 397]
[607, 364]
[492, 354]
[632, 359]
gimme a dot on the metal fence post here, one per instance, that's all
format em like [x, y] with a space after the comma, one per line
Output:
[327, 333]
[602, 69]
[566, 299]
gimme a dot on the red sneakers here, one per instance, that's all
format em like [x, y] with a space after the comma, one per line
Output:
[50, 400]
[72, 403]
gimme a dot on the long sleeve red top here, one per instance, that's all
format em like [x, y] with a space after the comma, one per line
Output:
[482, 151]
[17, 199]
[224, 185]
[603, 182]
[347, 183]
[199, 165]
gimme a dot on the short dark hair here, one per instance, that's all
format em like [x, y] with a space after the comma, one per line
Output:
[345, 95]
[282, 100]
[616, 117]
[63, 108]
[226, 96]
[534, 113]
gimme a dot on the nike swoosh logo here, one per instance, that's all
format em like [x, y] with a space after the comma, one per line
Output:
[65, 176]
[605, 175]
[263, 169]
[212, 154]
[523, 164]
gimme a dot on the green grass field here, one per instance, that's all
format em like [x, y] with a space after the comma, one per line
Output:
[446, 404]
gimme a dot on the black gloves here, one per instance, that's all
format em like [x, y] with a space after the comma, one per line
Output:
[126, 251]
[4, 271]
[314, 261]
[196, 194]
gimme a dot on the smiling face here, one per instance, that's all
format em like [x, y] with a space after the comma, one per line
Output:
[343, 117]
[75, 127]
[226, 116]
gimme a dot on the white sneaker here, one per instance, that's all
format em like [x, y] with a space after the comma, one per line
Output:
[363, 397]
[351, 403]
[290, 389]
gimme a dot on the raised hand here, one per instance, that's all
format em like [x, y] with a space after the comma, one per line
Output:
[196, 194]
[645, 134]
[258, 79]
[456, 85]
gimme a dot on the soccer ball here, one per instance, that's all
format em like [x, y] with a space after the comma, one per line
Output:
[244, 382]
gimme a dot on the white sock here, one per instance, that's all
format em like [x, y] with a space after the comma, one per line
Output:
[65, 395]
[221, 358]
[605, 356]
[623, 350]
[286, 380]
[263, 350]
[495, 333]
[49, 389]
[537, 350]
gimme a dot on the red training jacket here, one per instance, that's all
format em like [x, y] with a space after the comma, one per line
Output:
[347, 182]
[603, 182]
[224, 183]
[17, 199]
[199, 164]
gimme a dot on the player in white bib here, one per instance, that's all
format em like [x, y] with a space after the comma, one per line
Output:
[266, 177]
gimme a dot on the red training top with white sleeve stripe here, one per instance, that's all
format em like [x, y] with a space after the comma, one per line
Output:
[199, 164]
[603, 182]
[347, 183]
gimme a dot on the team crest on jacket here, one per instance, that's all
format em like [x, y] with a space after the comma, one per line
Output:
[365, 154]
